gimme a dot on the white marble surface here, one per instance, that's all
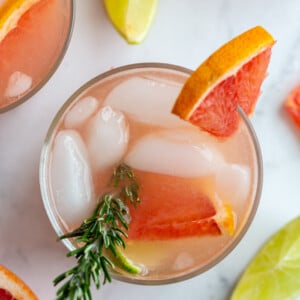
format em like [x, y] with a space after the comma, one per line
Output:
[184, 33]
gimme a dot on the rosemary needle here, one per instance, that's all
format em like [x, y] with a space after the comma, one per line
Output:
[100, 238]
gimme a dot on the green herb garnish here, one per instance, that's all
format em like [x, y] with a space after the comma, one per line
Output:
[100, 238]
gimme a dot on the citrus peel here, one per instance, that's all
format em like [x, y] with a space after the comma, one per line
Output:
[10, 13]
[230, 77]
[225, 218]
[11, 285]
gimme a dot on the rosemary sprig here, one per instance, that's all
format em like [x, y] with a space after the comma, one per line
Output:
[101, 234]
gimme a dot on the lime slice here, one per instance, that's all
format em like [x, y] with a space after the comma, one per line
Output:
[274, 274]
[132, 18]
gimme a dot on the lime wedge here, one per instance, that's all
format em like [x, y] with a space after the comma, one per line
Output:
[132, 18]
[274, 273]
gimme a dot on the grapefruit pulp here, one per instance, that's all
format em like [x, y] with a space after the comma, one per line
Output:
[5, 295]
[292, 105]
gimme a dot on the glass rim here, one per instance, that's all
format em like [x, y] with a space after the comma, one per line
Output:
[53, 218]
[53, 68]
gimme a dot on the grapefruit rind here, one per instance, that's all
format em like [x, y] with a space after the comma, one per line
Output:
[226, 220]
[223, 63]
[14, 285]
[10, 13]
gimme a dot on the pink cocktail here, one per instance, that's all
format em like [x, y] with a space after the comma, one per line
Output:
[198, 193]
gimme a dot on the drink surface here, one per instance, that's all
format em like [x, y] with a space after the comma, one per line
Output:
[30, 52]
[126, 118]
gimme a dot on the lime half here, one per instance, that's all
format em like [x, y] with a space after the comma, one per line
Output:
[132, 18]
[274, 273]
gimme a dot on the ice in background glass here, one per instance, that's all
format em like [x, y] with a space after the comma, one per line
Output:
[31, 53]
[124, 116]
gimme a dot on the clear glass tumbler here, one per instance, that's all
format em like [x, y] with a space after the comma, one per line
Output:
[173, 234]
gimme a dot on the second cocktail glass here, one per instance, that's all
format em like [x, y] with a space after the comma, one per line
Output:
[31, 53]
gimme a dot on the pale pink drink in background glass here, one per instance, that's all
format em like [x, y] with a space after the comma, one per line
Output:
[31, 52]
[124, 116]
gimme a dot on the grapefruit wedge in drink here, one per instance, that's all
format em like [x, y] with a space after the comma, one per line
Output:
[188, 212]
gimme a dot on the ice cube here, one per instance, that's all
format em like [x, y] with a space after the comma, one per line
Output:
[108, 134]
[80, 112]
[174, 153]
[71, 178]
[163, 80]
[18, 84]
[147, 101]
[183, 260]
[233, 182]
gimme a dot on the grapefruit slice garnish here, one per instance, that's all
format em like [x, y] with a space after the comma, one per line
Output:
[177, 208]
[292, 105]
[14, 288]
[231, 77]
[10, 13]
